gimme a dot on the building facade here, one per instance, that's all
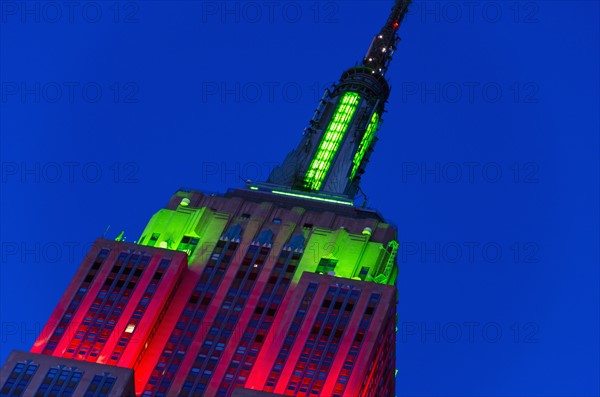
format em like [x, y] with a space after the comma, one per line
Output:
[279, 288]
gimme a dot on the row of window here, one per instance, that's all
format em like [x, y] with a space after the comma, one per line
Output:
[193, 312]
[107, 307]
[261, 320]
[318, 353]
[75, 303]
[228, 315]
[290, 337]
[357, 342]
[380, 374]
[19, 378]
[187, 244]
[139, 311]
[60, 381]
[101, 385]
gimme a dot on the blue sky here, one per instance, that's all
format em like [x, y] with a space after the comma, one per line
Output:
[487, 160]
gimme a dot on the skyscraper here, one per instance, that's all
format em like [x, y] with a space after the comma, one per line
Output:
[280, 287]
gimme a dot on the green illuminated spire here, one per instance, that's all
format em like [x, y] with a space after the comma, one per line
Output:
[336, 147]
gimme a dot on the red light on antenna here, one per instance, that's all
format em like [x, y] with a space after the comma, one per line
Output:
[396, 24]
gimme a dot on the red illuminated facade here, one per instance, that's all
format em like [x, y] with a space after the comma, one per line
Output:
[334, 340]
[114, 304]
[247, 311]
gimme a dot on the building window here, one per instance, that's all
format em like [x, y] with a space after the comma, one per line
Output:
[101, 385]
[18, 379]
[188, 244]
[326, 265]
[364, 271]
[153, 239]
[59, 381]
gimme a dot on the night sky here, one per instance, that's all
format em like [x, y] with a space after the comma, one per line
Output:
[487, 160]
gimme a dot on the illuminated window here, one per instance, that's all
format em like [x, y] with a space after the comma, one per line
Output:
[364, 144]
[331, 141]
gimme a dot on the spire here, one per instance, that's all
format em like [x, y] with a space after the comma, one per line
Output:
[339, 140]
[382, 47]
